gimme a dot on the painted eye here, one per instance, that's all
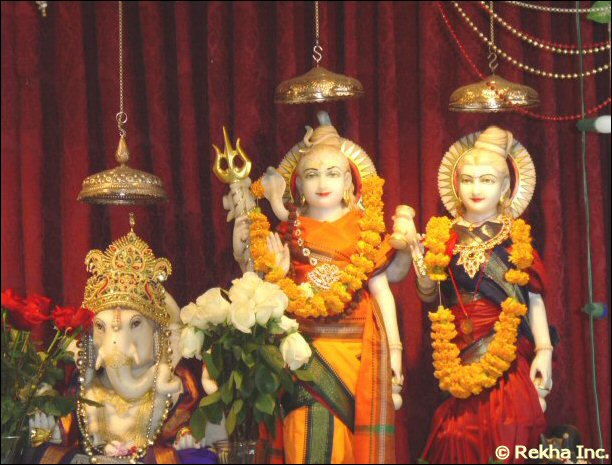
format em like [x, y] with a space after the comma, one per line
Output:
[466, 180]
[135, 323]
[99, 326]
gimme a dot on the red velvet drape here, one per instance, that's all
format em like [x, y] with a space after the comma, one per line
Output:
[191, 68]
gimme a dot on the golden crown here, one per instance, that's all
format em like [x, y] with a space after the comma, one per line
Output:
[127, 276]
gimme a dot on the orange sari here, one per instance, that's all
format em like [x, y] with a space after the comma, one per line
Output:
[346, 415]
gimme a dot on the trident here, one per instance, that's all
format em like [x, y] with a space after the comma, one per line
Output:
[234, 172]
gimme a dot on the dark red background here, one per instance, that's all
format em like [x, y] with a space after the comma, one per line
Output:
[193, 67]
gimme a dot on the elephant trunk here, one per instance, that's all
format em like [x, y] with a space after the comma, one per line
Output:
[126, 385]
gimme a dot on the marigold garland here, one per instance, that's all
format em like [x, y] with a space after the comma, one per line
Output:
[463, 381]
[333, 301]
[258, 189]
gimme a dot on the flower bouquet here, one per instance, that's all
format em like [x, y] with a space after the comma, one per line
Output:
[31, 369]
[250, 348]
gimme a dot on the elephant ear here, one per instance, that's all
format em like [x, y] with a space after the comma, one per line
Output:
[175, 326]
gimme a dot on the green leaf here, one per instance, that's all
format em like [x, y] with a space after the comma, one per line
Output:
[275, 328]
[602, 17]
[273, 357]
[217, 355]
[214, 413]
[230, 422]
[93, 403]
[237, 379]
[266, 381]
[56, 405]
[265, 403]
[287, 381]
[210, 365]
[248, 359]
[227, 390]
[248, 386]
[237, 351]
[251, 347]
[198, 424]
[304, 375]
[232, 416]
[211, 399]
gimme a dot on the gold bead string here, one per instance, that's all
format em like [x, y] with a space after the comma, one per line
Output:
[541, 44]
[523, 66]
[549, 9]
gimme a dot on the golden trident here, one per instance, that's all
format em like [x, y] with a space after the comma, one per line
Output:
[234, 172]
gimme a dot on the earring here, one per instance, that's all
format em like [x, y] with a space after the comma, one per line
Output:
[347, 197]
[302, 200]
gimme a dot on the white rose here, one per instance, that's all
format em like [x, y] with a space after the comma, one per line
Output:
[214, 306]
[296, 351]
[194, 315]
[269, 301]
[191, 343]
[243, 288]
[242, 316]
[288, 325]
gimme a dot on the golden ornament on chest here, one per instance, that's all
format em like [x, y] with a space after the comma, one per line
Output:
[324, 276]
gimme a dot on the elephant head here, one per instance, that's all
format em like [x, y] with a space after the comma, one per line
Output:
[127, 346]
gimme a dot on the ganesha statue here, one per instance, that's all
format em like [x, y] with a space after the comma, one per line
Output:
[135, 398]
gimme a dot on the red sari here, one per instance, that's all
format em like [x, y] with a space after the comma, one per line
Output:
[508, 414]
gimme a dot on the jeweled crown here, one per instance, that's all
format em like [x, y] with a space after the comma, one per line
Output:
[128, 276]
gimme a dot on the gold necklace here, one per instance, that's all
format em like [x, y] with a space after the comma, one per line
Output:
[542, 44]
[524, 67]
[472, 256]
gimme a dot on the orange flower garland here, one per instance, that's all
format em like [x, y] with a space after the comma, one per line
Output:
[463, 381]
[310, 302]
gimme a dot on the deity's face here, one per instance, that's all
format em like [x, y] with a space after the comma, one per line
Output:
[480, 188]
[123, 336]
[323, 177]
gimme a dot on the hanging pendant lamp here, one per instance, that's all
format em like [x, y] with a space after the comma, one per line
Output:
[319, 84]
[122, 185]
[494, 94]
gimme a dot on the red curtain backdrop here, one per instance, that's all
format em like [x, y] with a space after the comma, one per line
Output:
[191, 68]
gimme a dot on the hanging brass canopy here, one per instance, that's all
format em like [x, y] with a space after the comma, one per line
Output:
[483, 96]
[318, 85]
[122, 185]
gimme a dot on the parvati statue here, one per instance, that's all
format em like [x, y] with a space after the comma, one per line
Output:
[491, 340]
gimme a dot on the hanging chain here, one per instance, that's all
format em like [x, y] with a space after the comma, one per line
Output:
[601, 9]
[564, 49]
[523, 66]
[317, 50]
[492, 56]
[121, 116]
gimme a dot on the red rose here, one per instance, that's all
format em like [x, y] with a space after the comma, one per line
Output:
[12, 301]
[452, 242]
[32, 312]
[70, 318]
